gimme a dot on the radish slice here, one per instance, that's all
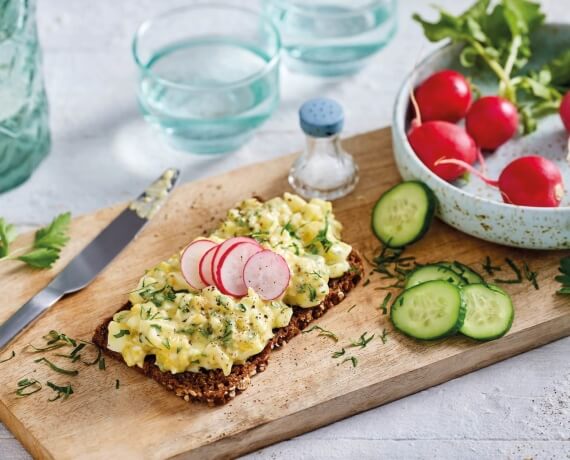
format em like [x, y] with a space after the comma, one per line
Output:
[268, 274]
[205, 266]
[222, 248]
[190, 260]
[230, 268]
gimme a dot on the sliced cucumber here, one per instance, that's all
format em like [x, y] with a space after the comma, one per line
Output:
[429, 310]
[490, 312]
[403, 214]
[467, 273]
[433, 272]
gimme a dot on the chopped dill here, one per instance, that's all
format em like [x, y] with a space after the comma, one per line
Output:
[322, 332]
[353, 306]
[55, 368]
[362, 341]
[366, 283]
[338, 354]
[384, 336]
[352, 359]
[530, 275]
[489, 268]
[385, 302]
[12, 355]
[121, 333]
[518, 276]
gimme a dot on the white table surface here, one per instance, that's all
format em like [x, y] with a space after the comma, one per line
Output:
[103, 152]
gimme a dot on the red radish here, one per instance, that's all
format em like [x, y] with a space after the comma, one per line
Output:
[436, 140]
[191, 258]
[565, 111]
[492, 121]
[230, 268]
[222, 248]
[443, 96]
[527, 181]
[268, 274]
[205, 266]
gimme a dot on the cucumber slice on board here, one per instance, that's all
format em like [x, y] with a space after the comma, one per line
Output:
[467, 273]
[490, 312]
[428, 311]
[403, 214]
[433, 272]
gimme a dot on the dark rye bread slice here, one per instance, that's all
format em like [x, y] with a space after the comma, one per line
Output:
[212, 386]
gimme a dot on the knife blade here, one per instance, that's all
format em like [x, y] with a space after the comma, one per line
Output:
[95, 256]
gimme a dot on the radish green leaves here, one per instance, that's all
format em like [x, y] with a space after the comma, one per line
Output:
[499, 38]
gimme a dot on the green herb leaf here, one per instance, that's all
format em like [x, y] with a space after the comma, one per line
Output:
[7, 236]
[322, 332]
[362, 341]
[56, 368]
[384, 336]
[122, 333]
[338, 354]
[564, 278]
[518, 276]
[27, 387]
[55, 235]
[9, 358]
[385, 302]
[117, 384]
[40, 257]
[352, 359]
[63, 392]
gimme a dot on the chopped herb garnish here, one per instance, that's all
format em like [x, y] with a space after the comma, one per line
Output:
[384, 304]
[489, 267]
[322, 332]
[158, 327]
[56, 368]
[530, 276]
[121, 333]
[352, 359]
[322, 239]
[117, 384]
[312, 293]
[242, 307]
[353, 306]
[384, 336]
[102, 363]
[362, 341]
[166, 343]
[564, 278]
[27, 387]
[227, 335]
[518, 276]
[260, 237]
[392, 265]
[338, 354]
[61, 392]
[12, 355]
[289, 229]
[366, 283]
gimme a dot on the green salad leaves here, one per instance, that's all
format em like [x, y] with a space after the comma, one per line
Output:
[46, 247]
[498, 37]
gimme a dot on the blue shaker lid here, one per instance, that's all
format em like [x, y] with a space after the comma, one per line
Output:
[321, 117]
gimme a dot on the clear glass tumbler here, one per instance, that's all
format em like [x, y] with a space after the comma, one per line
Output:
[209, 75]
[24, 128]
[332, 37]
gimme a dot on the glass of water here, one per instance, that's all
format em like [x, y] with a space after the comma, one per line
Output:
[332, 37]
[209, 75]
[24, 129]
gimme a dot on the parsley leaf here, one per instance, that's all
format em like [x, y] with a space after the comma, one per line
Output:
[47, 245]
[564, 278]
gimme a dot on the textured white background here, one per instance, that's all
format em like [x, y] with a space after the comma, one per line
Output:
[103, 152]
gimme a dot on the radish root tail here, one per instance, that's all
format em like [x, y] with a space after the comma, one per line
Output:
[468, 167]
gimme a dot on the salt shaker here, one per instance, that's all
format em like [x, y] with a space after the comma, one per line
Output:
[324, 169]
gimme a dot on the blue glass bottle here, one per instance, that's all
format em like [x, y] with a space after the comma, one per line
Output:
[24, 129]
[324, 169]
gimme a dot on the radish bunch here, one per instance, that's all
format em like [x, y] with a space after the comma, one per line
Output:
[233, 266]
[450, 150]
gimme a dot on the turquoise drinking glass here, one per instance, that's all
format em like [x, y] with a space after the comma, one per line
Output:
[24, 129]
[332, 37]
[208, 75]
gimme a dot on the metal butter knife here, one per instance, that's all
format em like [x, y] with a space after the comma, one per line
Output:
[95, 256]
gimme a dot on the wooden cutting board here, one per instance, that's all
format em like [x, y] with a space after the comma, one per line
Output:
[303, 387]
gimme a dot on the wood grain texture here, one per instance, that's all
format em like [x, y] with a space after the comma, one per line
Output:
[303, 388]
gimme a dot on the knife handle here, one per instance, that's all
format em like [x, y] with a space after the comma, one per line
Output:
[27, 313]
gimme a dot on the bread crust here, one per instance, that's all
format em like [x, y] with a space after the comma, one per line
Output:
[212, 386]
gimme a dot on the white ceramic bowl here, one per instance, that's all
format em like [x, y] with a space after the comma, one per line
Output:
[473, 207]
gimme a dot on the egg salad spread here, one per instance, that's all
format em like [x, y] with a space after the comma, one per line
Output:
[189, 330]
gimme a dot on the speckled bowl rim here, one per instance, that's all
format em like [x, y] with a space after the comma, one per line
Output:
[399, 121]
